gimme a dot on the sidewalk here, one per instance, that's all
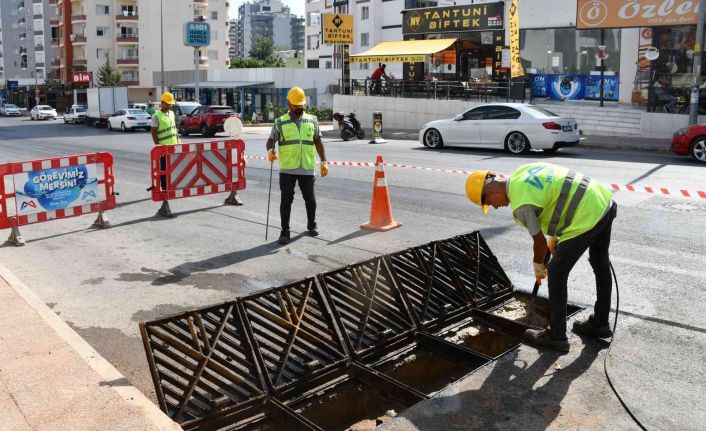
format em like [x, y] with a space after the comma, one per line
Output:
[47, 384]
[592, 141]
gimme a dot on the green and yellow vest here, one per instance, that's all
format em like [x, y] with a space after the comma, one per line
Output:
[296, 144]
[166, 131]
[571, 203]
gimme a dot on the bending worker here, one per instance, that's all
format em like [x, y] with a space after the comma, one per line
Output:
[297, 133]
[577, 214]
[164, 132]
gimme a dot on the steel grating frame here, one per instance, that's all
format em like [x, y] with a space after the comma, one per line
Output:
[202, 364]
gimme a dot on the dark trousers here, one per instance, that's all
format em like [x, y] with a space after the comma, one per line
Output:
[306, 185]
[566, 254]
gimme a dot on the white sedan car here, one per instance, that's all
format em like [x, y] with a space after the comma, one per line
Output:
[10, 110]
[129, 119]
[42, 112]
[516, 127]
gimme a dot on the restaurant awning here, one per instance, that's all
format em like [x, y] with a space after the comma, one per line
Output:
[402, 51]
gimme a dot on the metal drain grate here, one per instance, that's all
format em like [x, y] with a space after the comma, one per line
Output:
[261, 356]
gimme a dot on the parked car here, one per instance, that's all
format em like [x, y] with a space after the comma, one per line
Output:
[516, 127]
[10, 110]
[42, 112]
[75, 114]
[142, 106]
[691, 141]
[129, 119]
[182, 109]
[207, 120]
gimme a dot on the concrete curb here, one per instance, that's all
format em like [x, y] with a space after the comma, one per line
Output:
[100, 365]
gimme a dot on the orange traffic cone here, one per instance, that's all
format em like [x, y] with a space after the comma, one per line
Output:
[380, 209]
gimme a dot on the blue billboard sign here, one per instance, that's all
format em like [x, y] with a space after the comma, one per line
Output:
[574, 87]
[197, 33]
[11, 85]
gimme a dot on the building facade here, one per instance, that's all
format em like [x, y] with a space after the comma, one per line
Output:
[28, 41]
[127, 33]
[268, 19]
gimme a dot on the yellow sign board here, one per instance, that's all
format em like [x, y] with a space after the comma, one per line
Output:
[337, 29]
[515, 63]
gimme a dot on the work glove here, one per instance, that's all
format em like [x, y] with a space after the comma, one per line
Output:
[271, 156]
[552, 244]
[540, 270]
[324, 168]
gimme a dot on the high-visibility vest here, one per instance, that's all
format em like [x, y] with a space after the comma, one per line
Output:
[296, 144]
[166, 131]
[571, 204]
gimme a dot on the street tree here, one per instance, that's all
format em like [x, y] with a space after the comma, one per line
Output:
[108, 76]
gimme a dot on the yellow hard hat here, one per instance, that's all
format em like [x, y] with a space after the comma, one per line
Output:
[474, 188]
[167, 97]
[296, 96]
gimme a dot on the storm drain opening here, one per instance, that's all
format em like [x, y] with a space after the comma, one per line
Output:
[344, 350]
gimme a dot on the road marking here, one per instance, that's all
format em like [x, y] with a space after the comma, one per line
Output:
[98, 363]
[692, 194]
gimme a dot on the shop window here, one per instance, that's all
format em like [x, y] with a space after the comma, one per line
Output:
[567, 50]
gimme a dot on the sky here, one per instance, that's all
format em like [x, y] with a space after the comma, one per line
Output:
[297, 7]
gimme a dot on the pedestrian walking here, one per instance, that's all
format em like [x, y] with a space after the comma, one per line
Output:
[297, 134]
[577, 214]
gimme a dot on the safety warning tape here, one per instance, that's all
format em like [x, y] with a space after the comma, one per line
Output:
[615, 187]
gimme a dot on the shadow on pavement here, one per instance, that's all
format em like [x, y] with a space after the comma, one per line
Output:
[355, 234]
[514, 391]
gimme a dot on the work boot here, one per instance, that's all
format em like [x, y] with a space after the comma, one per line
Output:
[284, 237]
[541, 338]
[590, 328]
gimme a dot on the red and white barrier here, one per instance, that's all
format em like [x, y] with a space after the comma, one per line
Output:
[41, 190]
[186, 170]
[664, 191]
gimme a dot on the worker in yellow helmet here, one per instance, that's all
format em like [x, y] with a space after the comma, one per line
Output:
[164, 132]
[577, 214]
[298, 134]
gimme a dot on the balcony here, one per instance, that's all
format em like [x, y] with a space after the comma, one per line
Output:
[79, 17]
[54, 43]
[54, 21]
[126, 16]
[56, 62]
[78, 39]
[39, 47]
[127, 38]
[130, 80]
[80, 61]
[52, 1]
[201, 3]
[129, 60]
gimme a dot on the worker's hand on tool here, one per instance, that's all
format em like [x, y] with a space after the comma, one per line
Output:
[324, 168]
[551, 245]
[540, 270]
[271, 156]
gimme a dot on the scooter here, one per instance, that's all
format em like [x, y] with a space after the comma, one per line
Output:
[349, 126]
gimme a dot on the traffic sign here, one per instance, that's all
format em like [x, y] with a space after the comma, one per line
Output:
[197, 33]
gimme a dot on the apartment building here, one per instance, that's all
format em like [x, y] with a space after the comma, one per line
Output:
[128, 34]
[27, 40]
[234, 39]
[270, 19]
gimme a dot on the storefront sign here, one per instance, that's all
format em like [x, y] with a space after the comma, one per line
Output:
[81, 77]
[416, 58]
[514, 22]
[337, 29]
[633, 13]
[487, 16]
[574, 87]
[58, 189]
[197, 33]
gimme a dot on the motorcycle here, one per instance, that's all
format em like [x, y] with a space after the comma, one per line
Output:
[349, 126]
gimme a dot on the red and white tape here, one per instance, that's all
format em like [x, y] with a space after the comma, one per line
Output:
[615, 187]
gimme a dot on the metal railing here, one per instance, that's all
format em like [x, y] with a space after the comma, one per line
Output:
[515, 90]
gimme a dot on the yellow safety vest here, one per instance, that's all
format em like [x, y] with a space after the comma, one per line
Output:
[296, 144]
[166, 131]
[570, 203]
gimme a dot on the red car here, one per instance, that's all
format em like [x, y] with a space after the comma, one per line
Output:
[691, 140]
[207, 120]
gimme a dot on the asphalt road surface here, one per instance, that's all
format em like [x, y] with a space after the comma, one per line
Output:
[103, 282]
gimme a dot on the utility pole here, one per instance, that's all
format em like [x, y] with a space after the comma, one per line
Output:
[161, 44]
[696, 73]
[602, 64]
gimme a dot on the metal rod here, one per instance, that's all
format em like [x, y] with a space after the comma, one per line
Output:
[269, 194]
[196, 74]
[161, 43]
[696, 74]
[602, 63]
